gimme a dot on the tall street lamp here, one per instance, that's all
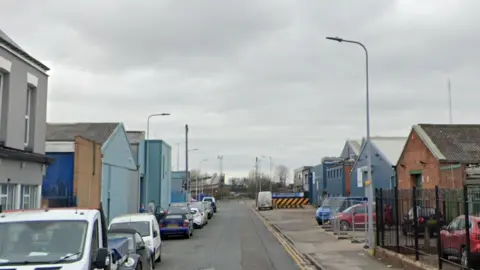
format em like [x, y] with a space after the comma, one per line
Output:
[147, 152]
[271, 178]
[368, 182]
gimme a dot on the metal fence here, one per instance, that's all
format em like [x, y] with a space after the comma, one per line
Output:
[436, 232]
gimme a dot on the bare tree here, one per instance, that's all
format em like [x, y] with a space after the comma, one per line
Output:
[282, 172]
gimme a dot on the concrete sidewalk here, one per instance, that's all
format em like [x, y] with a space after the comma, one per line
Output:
[299, 227]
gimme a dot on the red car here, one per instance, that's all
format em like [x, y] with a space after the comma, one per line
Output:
[454, 239]
[357, 214]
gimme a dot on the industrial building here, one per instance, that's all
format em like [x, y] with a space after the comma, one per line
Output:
[158, 173]
[93, 163]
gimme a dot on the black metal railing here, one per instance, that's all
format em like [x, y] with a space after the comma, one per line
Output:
[436, 232]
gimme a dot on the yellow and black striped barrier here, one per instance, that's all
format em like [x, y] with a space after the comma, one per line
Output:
[290, 202]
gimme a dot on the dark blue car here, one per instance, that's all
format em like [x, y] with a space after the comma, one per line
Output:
[176, 224]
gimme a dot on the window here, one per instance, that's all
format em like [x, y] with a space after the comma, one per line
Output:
[29, 196]
[7, 196]
[95, 241]
[28, 114]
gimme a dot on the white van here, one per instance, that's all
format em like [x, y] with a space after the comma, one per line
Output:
[264, 200]
[147, 226]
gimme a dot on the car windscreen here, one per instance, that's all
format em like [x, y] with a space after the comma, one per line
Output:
[177, 210]
[208, 199]
[129, 236]
[142, 227]
[39, 242]
[175, 217]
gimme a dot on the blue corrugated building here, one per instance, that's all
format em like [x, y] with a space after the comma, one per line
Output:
[385, 154]
[317, 190]
[158, 177]
[119, 174]
[178, 193]
[137, 144]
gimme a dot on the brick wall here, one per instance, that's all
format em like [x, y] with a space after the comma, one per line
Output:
[87, 173]
[417, 157]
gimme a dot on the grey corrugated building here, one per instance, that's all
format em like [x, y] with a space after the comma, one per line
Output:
[23, 111]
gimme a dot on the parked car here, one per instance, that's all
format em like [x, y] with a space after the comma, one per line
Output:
[198, 221]
[208, 209]
[357, 216]
[213, 201]
[264, 200]
[139, 256]
[181, 208]
[332, 205]
[426, 217]
[201, 208]
[147, 226]
[454, 240]
[176, 224]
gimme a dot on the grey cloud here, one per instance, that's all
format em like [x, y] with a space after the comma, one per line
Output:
[254, 77]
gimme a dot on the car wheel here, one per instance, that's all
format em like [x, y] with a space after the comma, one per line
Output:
[187, 236]
[153, 261]
[319, 223]
[344, 225]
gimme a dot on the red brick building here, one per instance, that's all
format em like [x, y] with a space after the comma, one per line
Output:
[437, 155]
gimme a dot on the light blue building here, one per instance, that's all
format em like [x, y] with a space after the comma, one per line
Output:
[385, 154]
[137, 144]
[120, 177]
[178, 193]
[158, 173]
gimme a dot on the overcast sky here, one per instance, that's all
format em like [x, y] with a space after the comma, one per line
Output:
[254, 78]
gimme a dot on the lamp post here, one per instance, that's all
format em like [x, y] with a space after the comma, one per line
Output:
[368, 182]
[271, 178]
[147, 152]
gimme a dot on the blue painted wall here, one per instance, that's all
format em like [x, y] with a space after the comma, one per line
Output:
[178, 194]
[317, 184]
[120, 177]
[336, 180]
[158, 173]
[383, 175]
[58, 181]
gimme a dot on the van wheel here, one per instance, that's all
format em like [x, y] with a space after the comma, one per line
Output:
[159, 257]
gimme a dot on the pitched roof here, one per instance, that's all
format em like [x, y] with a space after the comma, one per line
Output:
[390, 147]
[97, 132]
[5, 39]
[453, 143]
[135, 136]
[355, 144]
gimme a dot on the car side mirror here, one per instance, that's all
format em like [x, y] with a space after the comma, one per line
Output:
[155, 233]
[102, 260]
[141, 246]
[444, 228]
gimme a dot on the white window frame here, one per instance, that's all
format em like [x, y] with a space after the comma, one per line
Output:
[30, 198]
[28, 113]
[9, 198]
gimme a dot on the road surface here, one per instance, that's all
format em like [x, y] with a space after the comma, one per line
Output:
[234, 239]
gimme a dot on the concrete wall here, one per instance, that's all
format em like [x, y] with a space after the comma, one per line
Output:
[87, 173]
[17, 76]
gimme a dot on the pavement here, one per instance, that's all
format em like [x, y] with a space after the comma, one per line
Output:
[234, 239]
[324, 249]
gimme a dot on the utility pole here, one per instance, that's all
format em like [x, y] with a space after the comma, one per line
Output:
[256, 181]
[220, 159]
[178, 156]
[187, 173]
[271, 176]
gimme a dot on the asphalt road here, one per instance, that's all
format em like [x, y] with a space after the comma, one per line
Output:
[235, 238]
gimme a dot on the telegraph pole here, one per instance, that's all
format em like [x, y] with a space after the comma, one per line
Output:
[450, 118]
[256, 181]
[220, 159]
[187, 174]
